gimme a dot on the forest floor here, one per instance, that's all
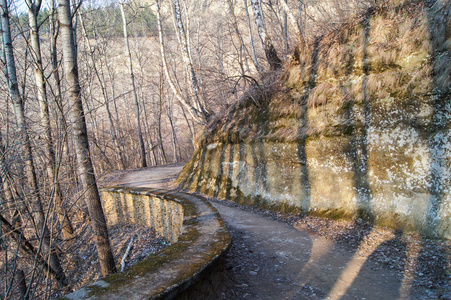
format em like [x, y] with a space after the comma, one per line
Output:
[275, 256]
[82, 267]
[79, 258]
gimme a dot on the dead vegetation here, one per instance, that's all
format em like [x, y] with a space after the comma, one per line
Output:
[396, 54]
[388, 55]
[80, 258]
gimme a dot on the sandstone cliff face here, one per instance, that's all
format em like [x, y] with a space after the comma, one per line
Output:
[357, 126]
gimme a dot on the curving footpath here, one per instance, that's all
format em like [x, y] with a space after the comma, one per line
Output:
[269, 259]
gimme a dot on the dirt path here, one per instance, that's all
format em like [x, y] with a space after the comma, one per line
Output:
[157, 177]
[271, 259]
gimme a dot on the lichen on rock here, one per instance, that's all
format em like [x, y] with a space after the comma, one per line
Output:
[363, 131]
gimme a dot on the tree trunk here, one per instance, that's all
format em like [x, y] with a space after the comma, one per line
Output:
[193, 111]
[149, 134]
[240, 38]
[184, 47]
[173, 134]
[38, 213]
[191, 130]
[119, 158]
[270, 52]
[285, 29]
[8, 203]
[143, 163]
[293, 21]
[79, 131]
[24, 245]
[22, 285]
[251, 40]
[64, 129]
[33, 11]
[4, 167]
[160, 113]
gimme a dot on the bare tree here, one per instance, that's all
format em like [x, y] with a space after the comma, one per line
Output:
[184, 47]
[294, 23]
[118, 152]
[192, 109]
[271, 55]
[57, 92]
[33, 11]
[159, 114]
[170, 115]
[143, 163]
[238, 35]
[38, 212]
[251, 41]
[79, 131]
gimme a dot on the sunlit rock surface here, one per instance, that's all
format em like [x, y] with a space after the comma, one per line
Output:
[358, 126]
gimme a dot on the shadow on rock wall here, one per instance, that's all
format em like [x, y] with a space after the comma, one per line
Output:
[375, 151]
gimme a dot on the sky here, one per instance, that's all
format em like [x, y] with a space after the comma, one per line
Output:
[20, 6]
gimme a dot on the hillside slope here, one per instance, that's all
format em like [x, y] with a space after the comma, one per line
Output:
[358, 125]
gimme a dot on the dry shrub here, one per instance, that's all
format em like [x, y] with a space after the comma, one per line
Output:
[294, 76]
[322, 93]
[398, 51]
[284, 107]
[382, 30]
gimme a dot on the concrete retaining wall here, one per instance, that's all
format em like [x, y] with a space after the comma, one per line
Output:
[199, 242]
[164, 215]
[389, 187]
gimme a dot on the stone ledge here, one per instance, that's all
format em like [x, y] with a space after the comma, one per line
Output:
[201, 244]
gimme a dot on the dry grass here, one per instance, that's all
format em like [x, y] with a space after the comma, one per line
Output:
[399, 66]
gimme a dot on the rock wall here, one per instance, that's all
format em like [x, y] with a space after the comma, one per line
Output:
[360, 126]
[393, 190]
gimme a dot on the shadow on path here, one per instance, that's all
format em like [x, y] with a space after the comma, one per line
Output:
[270, 259]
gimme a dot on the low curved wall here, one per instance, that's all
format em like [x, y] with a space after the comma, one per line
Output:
[143, 208]
[199, 241]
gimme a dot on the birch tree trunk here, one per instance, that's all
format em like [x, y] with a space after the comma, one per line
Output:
[143, 163]
[293, 21]
[159, 115]
[33, 11]
[64, 129]
[270, 52]
[160, 137]
[238, 35]
[193, 111]
[7, 199]
[251, 40]
[149, 134]
[191, 131]
[184, 47]
[38, 213]
[173, 134]
[285, 30]
[79, 131]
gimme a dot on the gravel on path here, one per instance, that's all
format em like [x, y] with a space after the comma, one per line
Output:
[276, 256]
